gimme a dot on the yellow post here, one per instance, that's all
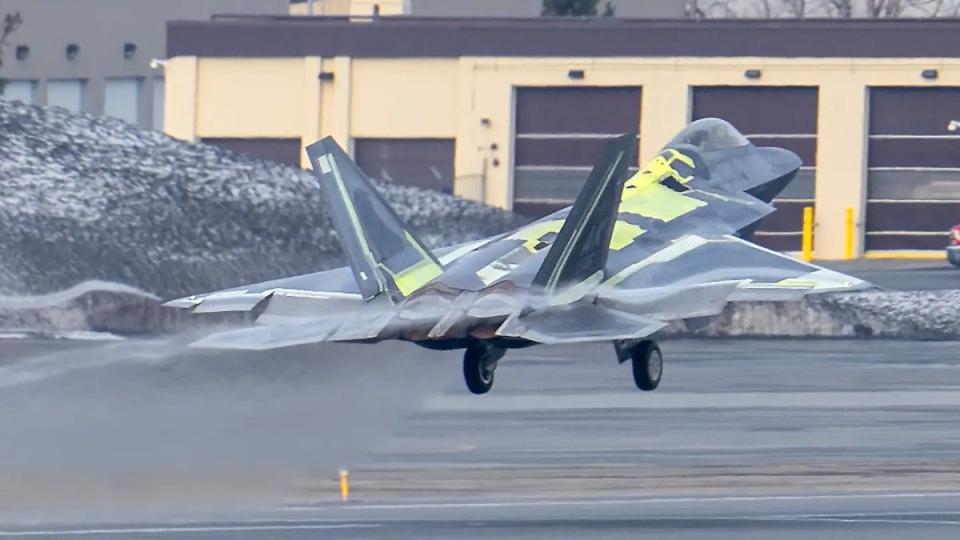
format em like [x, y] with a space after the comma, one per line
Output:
[806, 245]
[344, 484]
[849, 234]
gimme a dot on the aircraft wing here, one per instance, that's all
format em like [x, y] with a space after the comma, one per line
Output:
[694, 276]
[676, 249]
[337, 284]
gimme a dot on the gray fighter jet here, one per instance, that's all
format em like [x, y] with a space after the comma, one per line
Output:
[635, 251]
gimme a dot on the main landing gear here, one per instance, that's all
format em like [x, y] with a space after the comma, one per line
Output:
[645, 359]
[479, 364]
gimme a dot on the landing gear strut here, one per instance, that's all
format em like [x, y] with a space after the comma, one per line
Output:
[479, 364]
[645, 359]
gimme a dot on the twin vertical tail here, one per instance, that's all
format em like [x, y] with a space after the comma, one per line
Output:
[578, 258]
[384, 254]
[387, 258]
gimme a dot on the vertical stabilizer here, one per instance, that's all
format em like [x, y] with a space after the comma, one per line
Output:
[578, 257]
[384, 255]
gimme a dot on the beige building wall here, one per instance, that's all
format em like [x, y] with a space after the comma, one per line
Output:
[180, 99]
[349, 7]
[404, 99]
[471, 100]
[240, 97]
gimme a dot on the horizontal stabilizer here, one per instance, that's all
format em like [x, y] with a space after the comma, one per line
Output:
[270, 336]
[672, 302]
[578, 323]
[230, 301]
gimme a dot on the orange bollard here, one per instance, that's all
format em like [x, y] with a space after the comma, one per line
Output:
[344, 484]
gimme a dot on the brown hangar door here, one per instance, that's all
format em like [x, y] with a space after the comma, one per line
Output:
[784, 116]
[559, 134]
[913, 179]
[422, 163]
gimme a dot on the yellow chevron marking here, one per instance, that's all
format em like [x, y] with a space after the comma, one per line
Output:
[532, 234]
[660, 168]
[659, 202]
[624, 234]
[644, 195]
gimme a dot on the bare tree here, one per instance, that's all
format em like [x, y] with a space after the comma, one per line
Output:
[835, 9]
[764, 8]
[10, 23]
[839, 9]
[796, 9]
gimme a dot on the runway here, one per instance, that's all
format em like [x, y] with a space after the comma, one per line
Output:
[773, 438]
[887, 516]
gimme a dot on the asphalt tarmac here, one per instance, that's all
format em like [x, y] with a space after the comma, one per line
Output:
[762, 438]
[901, 274]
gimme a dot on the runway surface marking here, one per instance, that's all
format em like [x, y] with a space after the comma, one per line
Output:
[909, 518]
[868, 519]
[875, 517]
[607, 502]
[291, 526]
[691, 400]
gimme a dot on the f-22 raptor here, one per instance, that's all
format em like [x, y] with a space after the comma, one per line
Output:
[634, 252]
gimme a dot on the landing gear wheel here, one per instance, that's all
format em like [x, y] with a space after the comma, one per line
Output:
[647, 363]
[478, 369]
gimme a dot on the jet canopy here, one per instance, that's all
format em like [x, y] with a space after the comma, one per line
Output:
[709, 134]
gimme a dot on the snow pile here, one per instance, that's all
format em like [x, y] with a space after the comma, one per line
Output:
[885, 314]
[93, 198]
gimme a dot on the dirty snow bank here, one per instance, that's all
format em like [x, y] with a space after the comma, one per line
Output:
[94, 198]
[887, 314]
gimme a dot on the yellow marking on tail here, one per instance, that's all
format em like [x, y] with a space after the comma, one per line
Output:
[415, 277]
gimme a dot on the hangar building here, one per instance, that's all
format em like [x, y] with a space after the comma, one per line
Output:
[512, 111]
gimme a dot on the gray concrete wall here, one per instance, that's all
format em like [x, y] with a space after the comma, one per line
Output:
[101, 28]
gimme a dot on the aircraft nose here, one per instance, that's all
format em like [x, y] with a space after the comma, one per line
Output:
[781, 160]
[781, 166]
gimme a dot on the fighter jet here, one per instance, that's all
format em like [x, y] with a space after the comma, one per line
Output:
[638, 249]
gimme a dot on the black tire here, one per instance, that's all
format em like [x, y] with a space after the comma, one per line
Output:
[479, 378]
[647, 363]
